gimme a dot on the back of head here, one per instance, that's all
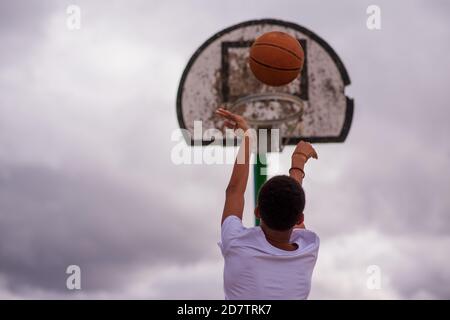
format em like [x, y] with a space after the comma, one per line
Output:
[281, 201]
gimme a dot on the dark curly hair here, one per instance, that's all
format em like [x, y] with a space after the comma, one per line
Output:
[281, 201]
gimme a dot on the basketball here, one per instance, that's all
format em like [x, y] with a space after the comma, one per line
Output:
[276, 58]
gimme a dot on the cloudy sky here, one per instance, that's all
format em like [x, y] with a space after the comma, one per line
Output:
[86, 177]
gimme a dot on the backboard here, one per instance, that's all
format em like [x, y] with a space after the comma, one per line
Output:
[218, 73]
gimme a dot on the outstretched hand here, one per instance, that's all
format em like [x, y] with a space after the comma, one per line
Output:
[305, 150]
[232, 120]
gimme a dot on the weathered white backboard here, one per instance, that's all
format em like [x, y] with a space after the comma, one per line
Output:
[218, 73]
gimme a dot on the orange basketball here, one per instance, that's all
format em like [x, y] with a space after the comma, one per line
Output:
[276, 58]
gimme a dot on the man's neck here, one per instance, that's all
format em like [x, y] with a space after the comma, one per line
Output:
[282, 237]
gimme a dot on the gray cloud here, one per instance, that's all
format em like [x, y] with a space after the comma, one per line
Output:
[51, 219]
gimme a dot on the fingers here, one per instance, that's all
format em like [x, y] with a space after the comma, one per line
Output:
[307, 149]
[313, 153]
[229, 124]
[226, 114]
[223, 110]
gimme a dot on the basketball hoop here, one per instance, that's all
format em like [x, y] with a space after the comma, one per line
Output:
[270, 111]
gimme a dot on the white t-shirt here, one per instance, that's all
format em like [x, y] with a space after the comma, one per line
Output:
[254, 269]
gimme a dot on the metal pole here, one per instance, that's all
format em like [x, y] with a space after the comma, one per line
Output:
[258, 178]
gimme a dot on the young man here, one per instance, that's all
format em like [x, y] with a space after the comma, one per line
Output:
[276, 259]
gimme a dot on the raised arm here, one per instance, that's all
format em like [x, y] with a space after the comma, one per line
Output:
[234, 196]
[301, 154]
[303, 151]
